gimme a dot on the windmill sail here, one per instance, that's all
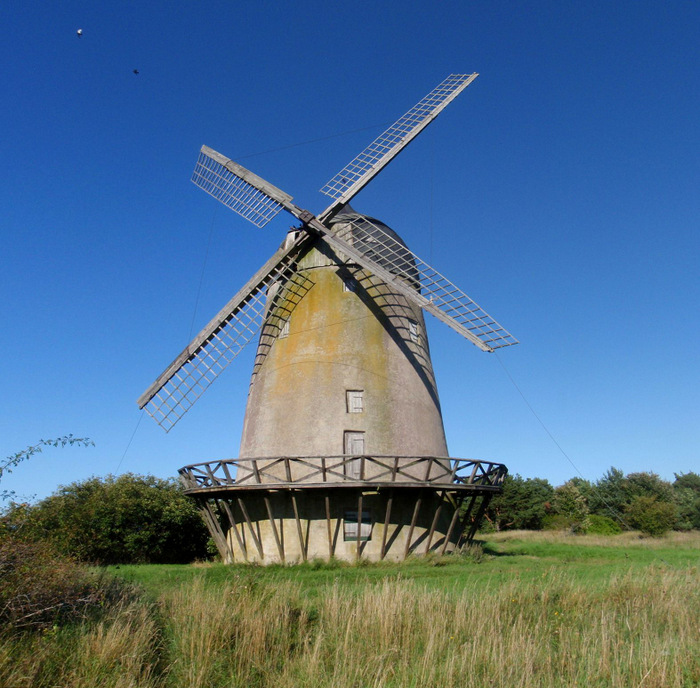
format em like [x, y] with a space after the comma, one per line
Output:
[238, 188]
[357, 173]
[375, 250]
[211, 351]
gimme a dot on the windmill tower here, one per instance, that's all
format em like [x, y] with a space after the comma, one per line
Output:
[343, 452]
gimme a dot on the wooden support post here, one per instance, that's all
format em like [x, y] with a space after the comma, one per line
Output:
[413, 524]
[253, 535]
[271, 516]
[331, 549]
[234, 526]
[448, 535]
[215, 530]
[222, 522]
[300, 532]
[389, 502]
[465, 518]
[359, 527]
[479, 515]
[433, 525]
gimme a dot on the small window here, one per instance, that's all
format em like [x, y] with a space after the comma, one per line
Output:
[350, 526]
[349, 284]
[414, 330]
[284, 330]
[355, 401]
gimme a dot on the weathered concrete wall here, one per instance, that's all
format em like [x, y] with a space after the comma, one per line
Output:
[323, 538]
[369, 339]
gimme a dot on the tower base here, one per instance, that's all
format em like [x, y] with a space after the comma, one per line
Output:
[251, 520]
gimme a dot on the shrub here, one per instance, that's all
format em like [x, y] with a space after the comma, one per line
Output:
[41, 589]
[120, 520]
[570, 503]
[651, 516]
[602, 525]
[555, 522]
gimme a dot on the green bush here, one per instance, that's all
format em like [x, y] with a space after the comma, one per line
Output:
[568, 501]
[118, 520]
[556, 522]
[651, 516]
[602, 525]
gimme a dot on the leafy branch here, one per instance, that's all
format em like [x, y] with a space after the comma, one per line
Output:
[10, 462]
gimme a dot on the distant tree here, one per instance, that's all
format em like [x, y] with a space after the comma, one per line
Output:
[689, 480]
[585, 487]
[609, 497]
[615, 493]
[686, 492]
[570, 503]
[124, 519]
[523, 504]
[648, 484]
[651, 515]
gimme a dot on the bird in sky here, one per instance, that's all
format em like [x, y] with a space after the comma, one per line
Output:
[79, 32]
[136, 71]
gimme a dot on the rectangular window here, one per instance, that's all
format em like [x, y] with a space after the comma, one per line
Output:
[284, 330]
[350, 526]
[414, 330]
[349, 284]
[355, 401]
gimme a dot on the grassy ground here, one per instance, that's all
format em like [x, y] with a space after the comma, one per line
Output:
[496, 560]
[525, 609]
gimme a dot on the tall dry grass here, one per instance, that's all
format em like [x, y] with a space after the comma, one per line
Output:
[638, 629]
[671, 540]
[123, 650]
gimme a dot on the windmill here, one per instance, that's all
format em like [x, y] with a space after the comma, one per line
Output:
[343, 452]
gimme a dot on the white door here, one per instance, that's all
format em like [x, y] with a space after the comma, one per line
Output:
[354, 446]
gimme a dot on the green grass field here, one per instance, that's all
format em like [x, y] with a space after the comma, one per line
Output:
[523, 554]
[520, 609]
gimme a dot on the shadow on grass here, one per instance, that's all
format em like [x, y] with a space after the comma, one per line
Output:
[491, 549]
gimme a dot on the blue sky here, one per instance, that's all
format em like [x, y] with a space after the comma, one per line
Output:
[560, 191]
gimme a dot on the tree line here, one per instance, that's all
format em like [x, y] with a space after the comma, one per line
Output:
[616, 502]
[131, 518]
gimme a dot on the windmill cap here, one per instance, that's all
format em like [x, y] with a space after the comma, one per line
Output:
[379, 243]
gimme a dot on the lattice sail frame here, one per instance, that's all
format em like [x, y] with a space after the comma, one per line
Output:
[237, 188]
[428, 287]
[358, 172]
[191, 373]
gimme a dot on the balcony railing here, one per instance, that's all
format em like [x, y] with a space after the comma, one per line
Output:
[343, 471]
